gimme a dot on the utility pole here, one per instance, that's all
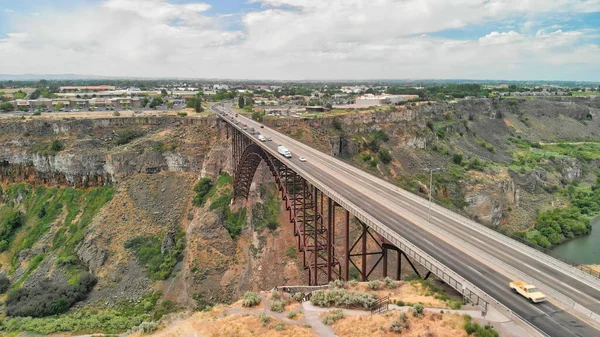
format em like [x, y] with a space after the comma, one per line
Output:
[431, 191]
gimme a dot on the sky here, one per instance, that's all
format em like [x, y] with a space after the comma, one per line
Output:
[304, 39]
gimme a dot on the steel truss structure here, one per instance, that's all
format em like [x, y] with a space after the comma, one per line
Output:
[313, 217]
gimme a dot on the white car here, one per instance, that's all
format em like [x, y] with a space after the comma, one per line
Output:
[302, 159]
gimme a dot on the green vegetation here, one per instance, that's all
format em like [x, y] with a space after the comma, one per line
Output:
[47, 149]
[233, 221]
[277, 306]
[266, 213]
[264, 318]
[125, 136]
[159, 264]
[202, 189]
[46, 299]
[437, 293]
[44, 205]
[332, 316]
[385, 156]
[474, 329]
[343, 298]
[417, 309]
[555, 225]
[6, 107]
[10, 221]
[250, 299]
[401, 324]
[122, 317]
[292, 314]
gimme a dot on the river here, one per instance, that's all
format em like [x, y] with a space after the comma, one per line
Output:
[583, 250]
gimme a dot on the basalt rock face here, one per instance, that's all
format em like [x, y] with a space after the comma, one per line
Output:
[91, 154]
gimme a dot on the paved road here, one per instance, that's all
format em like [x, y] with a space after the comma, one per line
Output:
[394, 209]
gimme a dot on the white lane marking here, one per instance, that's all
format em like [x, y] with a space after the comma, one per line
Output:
[473, 269]
[436, 219]
[429, 242]
[476, 239]
[538, 309]
[533, 268]
[568, 286]
[402, 201]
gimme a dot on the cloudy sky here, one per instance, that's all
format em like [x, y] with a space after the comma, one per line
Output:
[304, 39]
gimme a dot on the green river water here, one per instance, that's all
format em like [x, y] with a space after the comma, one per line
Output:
[583, 250]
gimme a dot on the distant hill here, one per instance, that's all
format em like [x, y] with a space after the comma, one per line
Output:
[37, 77]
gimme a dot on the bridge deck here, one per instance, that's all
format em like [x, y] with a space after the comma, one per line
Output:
[484, 260]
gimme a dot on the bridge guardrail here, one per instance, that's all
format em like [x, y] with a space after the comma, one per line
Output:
[516, 273]
[467, 289]
[517, 244]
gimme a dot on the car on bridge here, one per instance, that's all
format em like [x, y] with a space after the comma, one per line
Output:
[528, 291]
[284, 151]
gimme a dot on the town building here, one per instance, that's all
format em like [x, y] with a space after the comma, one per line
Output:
[87, 88]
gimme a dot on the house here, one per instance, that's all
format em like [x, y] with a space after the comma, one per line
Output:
[87, 88]
[316, 109]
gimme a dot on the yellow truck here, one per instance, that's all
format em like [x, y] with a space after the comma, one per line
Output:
[528, 291]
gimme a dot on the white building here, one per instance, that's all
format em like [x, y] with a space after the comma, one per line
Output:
[369, 100]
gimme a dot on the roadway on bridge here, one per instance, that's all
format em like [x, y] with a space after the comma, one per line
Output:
[383, 201]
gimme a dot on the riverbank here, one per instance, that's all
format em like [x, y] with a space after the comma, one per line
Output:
[583, 250]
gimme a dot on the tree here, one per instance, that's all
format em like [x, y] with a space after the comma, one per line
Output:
[58, 106]
[385, 156]
[156, 101]
[6, 107]
[170, 105]
[144, 101]
[163, 92]
[198, 105]
[241, 102]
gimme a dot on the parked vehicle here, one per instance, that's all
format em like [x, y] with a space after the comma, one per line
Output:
[302, 159]
[262, 138]
[284, 151]
[262, 126]
[528, 291]
[269, 138]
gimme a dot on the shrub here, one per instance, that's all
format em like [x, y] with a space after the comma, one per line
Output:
[279, 326]
[298, 297]
[116, 114]
[390, 283]
[458, 158]
[385, 156]
[343, 298]
[400, 303]
[332, 316]
[277, 306]
[477, 330]
[202, 188]
[157, 263]
[374, 285]
[125, 136]
[417, 309]
[148, 327]
[45, 298]
[250, 299]
[292, 315]
[4, 284]
[337, 284]
[10, 220]
[264, 318]
[400, 324]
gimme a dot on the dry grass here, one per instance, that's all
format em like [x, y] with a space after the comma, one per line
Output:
[439, 325]
[406, 291]
[595, 267]
[212, 325]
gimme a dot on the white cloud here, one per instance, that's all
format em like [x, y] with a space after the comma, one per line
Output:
[313, 39]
